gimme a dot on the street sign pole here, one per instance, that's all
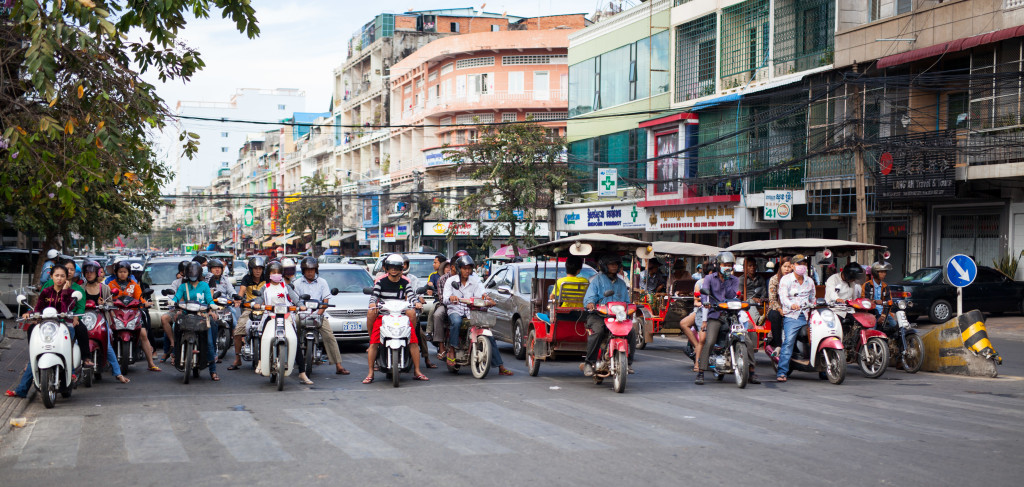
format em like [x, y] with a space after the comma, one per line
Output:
[959, 272]
[959, 301]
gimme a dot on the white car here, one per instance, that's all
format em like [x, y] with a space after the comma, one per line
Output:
[348, 316]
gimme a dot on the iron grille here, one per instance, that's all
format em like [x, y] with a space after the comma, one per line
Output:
[695, 58]
[803, 37]
[744, 37]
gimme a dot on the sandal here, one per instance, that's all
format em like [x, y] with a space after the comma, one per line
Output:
[306, 382]
[343, 371]
[234, 367]
[11, 393]
[123, 379]
[153, 368]
[421, 377]
[431, 365]
[165, 357]
[781, 378]
[368, 380]
[451, 361]
[214, 377]
[504, 371]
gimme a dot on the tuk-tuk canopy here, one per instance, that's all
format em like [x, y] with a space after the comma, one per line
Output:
[586, 244]
[685, 249]
[790, 246]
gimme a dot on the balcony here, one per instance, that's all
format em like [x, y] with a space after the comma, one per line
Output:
[527, 99]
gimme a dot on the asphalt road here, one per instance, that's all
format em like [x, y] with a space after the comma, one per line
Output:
[556, 429]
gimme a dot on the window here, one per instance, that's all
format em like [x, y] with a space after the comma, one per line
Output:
[495, 27]
[474, 62]
[460, 137]
[223, 149]
[446, 121]
[516, 84]
[649, 68]
[478, 83]
[447, 68]
[666, 169]
[509, 117]
[541, 85]
[223, 134]
[582, 93]
[535, 59]
[744, 35]
[614, 79]
[803, 35]
[453, 27]
[464, 119]
[432, 76]
[545, 116]
[280, 107]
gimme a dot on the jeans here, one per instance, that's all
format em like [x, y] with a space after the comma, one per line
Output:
[453, 330]
[211, 352]
[112, 359]
[495, 355]
[790, 328]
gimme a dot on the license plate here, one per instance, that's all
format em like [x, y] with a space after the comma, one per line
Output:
[352, 326]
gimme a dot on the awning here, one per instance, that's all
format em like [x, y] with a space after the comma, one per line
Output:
[294, 239]
[951, 46]
[283, 239]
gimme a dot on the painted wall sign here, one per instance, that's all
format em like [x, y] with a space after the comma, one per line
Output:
[700, 217]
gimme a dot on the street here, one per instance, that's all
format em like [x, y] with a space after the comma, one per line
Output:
[557, 428]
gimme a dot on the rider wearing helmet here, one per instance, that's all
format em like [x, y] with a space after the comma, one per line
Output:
[393, 286]
[470, 288]
[722, 286]
[219, 283]
[317, 288]
[877, 290]
[194, 288]
[96, 292]
[288, 269]
[123, 284]
[844, 285]
[607, 279]
[51, 260]
[249, 290]
[277, 292]
[171, 314]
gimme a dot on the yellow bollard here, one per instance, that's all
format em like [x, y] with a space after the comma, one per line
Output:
[972, 330]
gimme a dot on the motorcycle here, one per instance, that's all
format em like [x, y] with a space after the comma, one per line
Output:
[126, 323]
[870, 347]
[95, 320]
[395, 331]
[613, 354]
[191, 348]
[728, 354]
[309, 325]
[277, 342]
[253, 336]
[822, 344]
[225, 326]
[904, 341]
[474, 347]
[53, 356]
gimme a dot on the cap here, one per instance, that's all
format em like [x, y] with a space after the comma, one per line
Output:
[798, 258]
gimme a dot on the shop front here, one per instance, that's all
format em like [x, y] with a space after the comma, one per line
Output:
[623, 218]
[721, 223]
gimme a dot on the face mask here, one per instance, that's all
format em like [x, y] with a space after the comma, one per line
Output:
[278, 278]
[726, 270]
[800, 270]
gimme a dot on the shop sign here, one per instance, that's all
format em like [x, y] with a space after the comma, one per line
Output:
[604, 217]
[440, 229]
[699, 217]
[778, 205]
[916, 166]
[389, 234]
[402, 232]
[607, 181]
[435, 158]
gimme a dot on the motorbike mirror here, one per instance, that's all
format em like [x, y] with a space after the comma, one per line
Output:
[147, 293]
[504, 290]
[704, 291]
[77, 295]
[115, 292]
[820, 302]
[217, 294]
[335, 291]
[304, 297]
[456, 285]
[165, 292]
[367, 290]
[609, 292]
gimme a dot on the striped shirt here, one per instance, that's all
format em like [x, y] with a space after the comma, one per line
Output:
[386, 289]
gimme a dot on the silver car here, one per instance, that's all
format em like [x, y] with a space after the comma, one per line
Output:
[159, 273]
[348, 316]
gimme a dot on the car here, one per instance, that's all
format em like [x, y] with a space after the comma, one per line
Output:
[332, 259]
[931, 296]
[510, 287]
[16, 270]
[158, 274]
[420, 265]
[367, 262]
[348, 316]
[241, 268]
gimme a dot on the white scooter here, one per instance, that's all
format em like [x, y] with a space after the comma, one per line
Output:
[393, 356]
[278, 342]
[822, 343]
[53, 355]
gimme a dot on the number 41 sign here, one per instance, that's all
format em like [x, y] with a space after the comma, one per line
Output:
[778, 205]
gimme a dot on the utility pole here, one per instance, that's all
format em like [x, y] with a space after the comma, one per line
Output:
[858, 168]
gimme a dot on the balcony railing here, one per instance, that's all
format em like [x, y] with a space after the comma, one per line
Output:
[493, 99]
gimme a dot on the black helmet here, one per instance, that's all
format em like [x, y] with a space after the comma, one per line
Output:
[201, 259]
[605, 259]
[309, 263]
[393, 260]
[463, 261]
[273, 266]
[91, 266]
[725, 258]
[853, 272]
[256, 261]
[122, 264]
[214, 263]
[194, 271]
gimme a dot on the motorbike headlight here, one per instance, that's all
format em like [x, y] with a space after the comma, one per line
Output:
[192, 307]
[280, 309]
[89, 320]
[48, 331]
[901, 305]
[735, 305]
[828, 317]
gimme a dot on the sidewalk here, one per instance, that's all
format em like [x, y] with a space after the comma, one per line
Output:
[12, 364]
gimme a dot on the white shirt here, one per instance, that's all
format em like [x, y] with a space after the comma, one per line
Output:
[792, 292]
[473, 288]
[836, 288]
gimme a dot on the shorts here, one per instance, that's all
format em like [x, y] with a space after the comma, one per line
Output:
[375, 333]
[243, 323]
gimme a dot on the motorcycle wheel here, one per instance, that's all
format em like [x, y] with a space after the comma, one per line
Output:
[122, 357]
[639, 325]
[621, 362]
[873, 358]
[480, 358]
[396, 366]
[49, 392]
[836, 372]
[913, 356]
[740, 369]
[255, 346]
[187, 361]
[223, 342]
[282, 365]
[87, 376]
[309, 352]
[532, 364]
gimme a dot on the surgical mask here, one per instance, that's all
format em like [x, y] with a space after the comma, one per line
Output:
[278, 278]
[800, 270]
[725, 270]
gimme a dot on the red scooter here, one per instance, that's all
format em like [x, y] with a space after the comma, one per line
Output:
[95, 320]
[613, 357]
[126, 326]
[866, 345]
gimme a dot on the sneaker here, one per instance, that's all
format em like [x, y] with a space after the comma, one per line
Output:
[700, 379]
[587, 368]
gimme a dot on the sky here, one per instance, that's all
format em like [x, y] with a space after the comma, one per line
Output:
[301, 42]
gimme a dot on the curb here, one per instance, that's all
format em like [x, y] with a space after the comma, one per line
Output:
[12, 407]
[946, 353]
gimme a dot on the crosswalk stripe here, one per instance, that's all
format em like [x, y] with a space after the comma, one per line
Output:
[53, 443]
[714, 423]
[344, 434]
[862, 432]
[618, 422]
[906, 421]
[528, 426]
[969, 402]
[243, 438]
[148, 438]
[436, 431]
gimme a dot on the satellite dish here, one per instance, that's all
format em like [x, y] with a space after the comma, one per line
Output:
[580, 248]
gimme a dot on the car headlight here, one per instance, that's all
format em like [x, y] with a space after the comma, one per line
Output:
[89, 320]
[48, 331]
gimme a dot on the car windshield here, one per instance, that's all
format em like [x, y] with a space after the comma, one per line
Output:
[160, 273]
[421, 267]
[922, 276]
[526, 276]
[347, 280]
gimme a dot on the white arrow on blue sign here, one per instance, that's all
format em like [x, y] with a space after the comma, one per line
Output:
[961, 270]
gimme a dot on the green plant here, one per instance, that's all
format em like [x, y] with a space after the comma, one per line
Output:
[1007, 265]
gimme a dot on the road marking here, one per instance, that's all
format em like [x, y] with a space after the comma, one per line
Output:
[344, 434]
[529, 427]
[939, 415]
[243, 437]
[618, 422]
[906, 421]
[53, 443]
[148, 438]
[436, 431]
[704, 420]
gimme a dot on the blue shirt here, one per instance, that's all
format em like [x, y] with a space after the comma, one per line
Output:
[201, 293]
[599, 284]
[720, 291]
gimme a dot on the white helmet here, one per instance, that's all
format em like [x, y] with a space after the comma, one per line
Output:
[136, 267]
[52, 254]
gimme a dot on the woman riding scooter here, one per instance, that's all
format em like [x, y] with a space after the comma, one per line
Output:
[276, 292]
[96, 292]
[194, 288]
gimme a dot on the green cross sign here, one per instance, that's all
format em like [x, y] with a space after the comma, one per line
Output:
[608, 183]
[634, 213]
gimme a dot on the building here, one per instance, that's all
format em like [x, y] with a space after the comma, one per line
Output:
[218, 142]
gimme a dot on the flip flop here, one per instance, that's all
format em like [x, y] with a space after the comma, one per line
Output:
[431, 365]
[154, 369]
[123, 379]
[781, 378]
[11, 393]
[214, 377]
[343, 371]
[503, 371]
[421, 377]
[368, 380]
[234, 367]
[165, 357]
[305, 382]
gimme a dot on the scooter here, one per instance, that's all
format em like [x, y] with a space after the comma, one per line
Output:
[191, 348]
[52, 354]
[613, 354]
[904, 342]
[728, 354]
[225, 327]
[253, 336]
[309, 325]
[474, 347]
[395, 330]
[95, 320]
[822, 343]
[277, 343]
[870, 347]
[126, 325]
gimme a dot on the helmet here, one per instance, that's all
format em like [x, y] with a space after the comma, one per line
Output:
[273, 266]
[605, 259]
[463, 261]
[52, 254]
[725, 258]
[393, 260]
[182, 266]
[853, 272]
[201, 259]
[194, 271]
[288, 267]
[214, 263]
[459, 253]
[122, 265]
[405, 263]
[136, 267]
[881, 267]
[91, 266]
[309, 263]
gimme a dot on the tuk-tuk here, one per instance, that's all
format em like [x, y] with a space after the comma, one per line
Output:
[655, 307]
[564, 329]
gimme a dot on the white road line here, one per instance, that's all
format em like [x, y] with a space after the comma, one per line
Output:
[527, 426]
[830, 426]
[243, 437]
[148, 438]
[620, 423]
[940, 415]
[53, 443]
[344, 434]
[849, 408]
[436, 431]
[732, 425]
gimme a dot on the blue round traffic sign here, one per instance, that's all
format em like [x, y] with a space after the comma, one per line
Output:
[960, 270]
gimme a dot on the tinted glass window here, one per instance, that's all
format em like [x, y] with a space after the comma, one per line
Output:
[160, 273]
[347, 280]
[15, 263]
[988, 275]
[497, 278]
[922, 276]
[421, 267]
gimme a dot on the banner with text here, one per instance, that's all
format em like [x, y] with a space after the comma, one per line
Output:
[712, 216]
[622, 216]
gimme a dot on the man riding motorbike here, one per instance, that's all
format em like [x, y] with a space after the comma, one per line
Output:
[392, 286]
[250, 288]
[608, 278]
[470, 287]
[722, 286]
[877, 290]
[843, 286]
[317, 288]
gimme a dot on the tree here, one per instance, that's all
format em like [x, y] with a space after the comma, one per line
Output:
[521, 167]
[76, 117]
[314, 209]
